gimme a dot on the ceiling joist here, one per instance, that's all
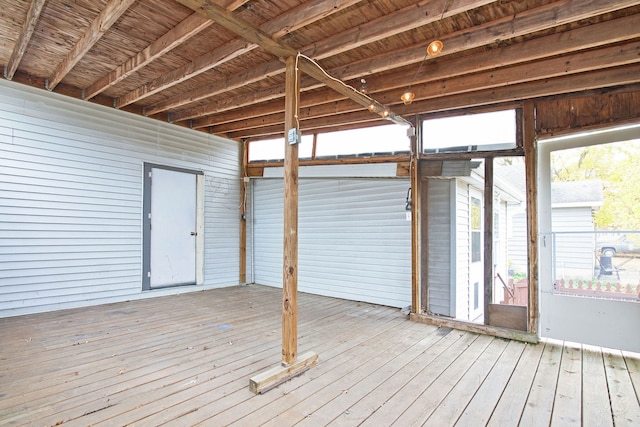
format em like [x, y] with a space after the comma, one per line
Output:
[23, 41]
[307, 66]
[109, 15]
[195, 73]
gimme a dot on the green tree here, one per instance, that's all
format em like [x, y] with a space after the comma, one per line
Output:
[617, 165]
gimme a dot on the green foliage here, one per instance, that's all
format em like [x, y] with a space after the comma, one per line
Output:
[617, 165]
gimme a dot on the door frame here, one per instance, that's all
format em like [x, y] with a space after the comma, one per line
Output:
[584, 320]
[146, 223]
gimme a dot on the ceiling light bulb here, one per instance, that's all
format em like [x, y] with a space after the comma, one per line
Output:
[385, 113]
[408, 97]
[372, 107]
[435, 47]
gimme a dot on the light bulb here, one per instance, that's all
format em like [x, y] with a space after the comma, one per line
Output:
[385, 113]
[408, 97]
[435, 47]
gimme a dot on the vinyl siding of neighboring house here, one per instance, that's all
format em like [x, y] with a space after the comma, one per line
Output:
[71, 192]
[574, 252]
[354, 240]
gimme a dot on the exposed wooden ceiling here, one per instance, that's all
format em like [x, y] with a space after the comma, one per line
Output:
[218, 66]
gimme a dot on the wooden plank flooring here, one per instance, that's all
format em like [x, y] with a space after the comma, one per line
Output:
[186, 360]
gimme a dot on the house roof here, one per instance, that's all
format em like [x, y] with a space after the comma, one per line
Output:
[577, 193]
[563, 194]
[220, 68]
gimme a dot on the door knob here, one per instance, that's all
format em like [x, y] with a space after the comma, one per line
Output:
[193, 233]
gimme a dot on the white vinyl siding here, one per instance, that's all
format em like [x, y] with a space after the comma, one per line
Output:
[354, 239]
[441, 254]
[463, 252]
[71, 200]
[574, 241]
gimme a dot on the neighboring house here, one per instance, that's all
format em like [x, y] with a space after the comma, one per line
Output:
[572, 207]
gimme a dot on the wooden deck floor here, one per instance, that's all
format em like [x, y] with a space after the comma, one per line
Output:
[186, 360]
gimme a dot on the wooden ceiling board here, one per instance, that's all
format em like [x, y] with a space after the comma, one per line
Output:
[212, 73]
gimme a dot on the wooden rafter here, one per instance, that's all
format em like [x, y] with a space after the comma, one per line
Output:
[531, 21]
[281, 50]
[109, 15]
[290, 21]
[405, 19]
[186, 29]
[579, 62]
[35, 9]
[607, 77]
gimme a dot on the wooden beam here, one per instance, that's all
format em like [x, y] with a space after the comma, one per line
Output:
[559, 66]
[413, 16]
[182, 32]
[291, 364]
[290, 244]
[35, 9]
[244, 177]
[109, 15]
[308, 66]
[271, 378]
[414, 174]
[410, 17]
[488, 238]
[531, 21]
[302, 15]
[495, 331]
[583, 38]
[530, 161]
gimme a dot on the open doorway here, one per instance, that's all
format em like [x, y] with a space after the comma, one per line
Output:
[473, 220]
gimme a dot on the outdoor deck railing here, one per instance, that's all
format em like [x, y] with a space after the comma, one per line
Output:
[598, 289]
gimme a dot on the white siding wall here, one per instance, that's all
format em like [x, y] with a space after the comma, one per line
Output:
[574, 253]
[71, 200]
[354, 239]
[463, 251]
[440, 252]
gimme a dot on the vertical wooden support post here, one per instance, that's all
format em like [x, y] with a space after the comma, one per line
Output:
[243, 213]
[415, 222]
[291, 364]
[530, 160]
[290, 249]
[488, 236]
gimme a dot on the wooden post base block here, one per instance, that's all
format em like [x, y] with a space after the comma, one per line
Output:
[275, 376]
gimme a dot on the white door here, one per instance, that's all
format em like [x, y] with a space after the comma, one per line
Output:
[172, 229]
[592, 316]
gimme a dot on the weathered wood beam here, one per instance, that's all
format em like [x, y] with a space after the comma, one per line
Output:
[386, 26]
[410, 17]
[531, 21]
[580, 62]
[530, 160]
[306, 65]
[608, 77]
[198, 66]
[487, 237]
[182, 32]
[290, 243]
[278, 27]
[109, 15]
[33, 14]
[556, 44]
